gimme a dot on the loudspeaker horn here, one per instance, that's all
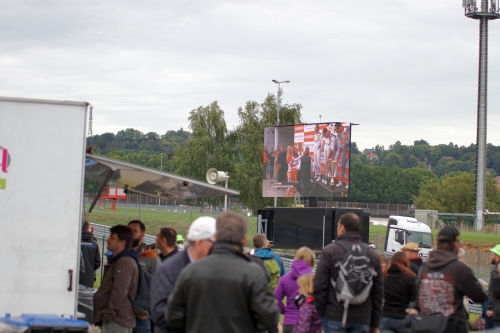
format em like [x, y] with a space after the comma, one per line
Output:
[214, 176]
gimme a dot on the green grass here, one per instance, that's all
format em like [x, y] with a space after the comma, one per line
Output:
[155, 219]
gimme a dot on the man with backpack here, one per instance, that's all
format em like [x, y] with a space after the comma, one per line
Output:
[148, 261]
[112, 305]
[442, 283]
[272, 262]
[348, 282]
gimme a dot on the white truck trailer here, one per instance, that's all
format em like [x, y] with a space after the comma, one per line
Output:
[404, 229]
[42, 170]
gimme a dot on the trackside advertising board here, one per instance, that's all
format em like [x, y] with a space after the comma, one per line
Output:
[307, 160]
[42, 146]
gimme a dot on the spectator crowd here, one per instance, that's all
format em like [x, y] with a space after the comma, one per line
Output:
[212, 284]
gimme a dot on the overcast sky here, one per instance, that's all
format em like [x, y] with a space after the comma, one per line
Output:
[402, 69]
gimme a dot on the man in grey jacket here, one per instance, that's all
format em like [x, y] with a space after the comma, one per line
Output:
[224, 292]
[201, 235]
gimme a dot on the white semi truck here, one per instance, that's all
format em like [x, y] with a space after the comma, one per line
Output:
[404, 229]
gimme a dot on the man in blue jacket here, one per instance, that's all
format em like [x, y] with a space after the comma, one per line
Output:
[201, 236]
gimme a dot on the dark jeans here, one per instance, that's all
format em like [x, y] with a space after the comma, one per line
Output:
[142, 325]
[392, 325]
[333, 326]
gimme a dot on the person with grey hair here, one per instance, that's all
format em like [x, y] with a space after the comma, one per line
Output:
[226, 291]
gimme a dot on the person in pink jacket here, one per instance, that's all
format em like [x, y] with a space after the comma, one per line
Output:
[288, 287]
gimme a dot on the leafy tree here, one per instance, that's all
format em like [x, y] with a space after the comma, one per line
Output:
[250, 139]
[420, 142]
[370, 183]
[211, 145]
[393, 159]
[208, 147]
[445, 166]
[454, 192]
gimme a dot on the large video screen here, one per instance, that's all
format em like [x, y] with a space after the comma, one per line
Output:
[307, 160]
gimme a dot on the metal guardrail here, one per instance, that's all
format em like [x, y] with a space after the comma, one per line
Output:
[102, 232]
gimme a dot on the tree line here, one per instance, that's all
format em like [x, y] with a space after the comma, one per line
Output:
[432, 177]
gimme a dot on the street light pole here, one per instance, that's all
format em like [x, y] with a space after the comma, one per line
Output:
[277, 124]
[488, 11]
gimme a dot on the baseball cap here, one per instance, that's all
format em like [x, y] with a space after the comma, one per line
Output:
[202, 228]
[180, 238]
[496, 249]
[448, 234]
[412, 246]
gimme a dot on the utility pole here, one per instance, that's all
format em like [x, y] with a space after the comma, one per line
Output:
[488, 11]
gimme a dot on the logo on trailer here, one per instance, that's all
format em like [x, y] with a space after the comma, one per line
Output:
[4, 164]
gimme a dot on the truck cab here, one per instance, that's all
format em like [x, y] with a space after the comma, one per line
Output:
[404, 229]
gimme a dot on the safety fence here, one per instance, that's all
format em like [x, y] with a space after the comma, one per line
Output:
[478, 260]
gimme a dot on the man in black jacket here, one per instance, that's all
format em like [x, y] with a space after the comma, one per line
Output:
[166, 242]
[90, 256]
[225, 292]
[360, 318]
[200, 236]
[494, 289]
[305, 173]
[282, 165]
[444, 281]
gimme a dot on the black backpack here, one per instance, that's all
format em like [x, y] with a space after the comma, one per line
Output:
[140, 304]
[355, 277]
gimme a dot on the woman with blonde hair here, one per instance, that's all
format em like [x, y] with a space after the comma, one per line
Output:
[303, 263]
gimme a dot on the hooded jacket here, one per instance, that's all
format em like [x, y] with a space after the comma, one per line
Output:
[443, 283]
[91, 259]
[267, 253]
[112, 302]
[399, 291]
[325, 298]
[288, 287]
[494, 295]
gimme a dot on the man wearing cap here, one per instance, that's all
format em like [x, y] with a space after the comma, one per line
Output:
[201, 235]
[494, 288]
[225, 292]
[411, 250]
[180, 242]
[444, 281]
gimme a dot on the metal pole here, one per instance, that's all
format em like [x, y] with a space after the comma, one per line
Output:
[485, 14]
[225, 199]
[276, 135]
[481, 118]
